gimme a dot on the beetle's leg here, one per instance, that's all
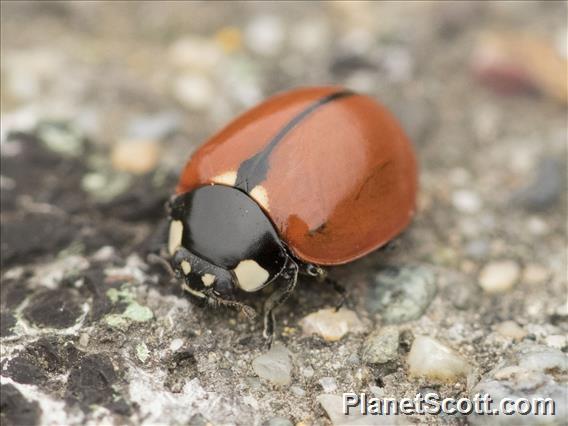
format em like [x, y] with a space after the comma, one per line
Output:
[340, 290]
[278, 297]
[321, 275]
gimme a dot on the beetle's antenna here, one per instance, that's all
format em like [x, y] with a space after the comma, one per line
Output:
[246, 310]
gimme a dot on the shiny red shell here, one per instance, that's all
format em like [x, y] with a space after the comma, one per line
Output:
[340, 183]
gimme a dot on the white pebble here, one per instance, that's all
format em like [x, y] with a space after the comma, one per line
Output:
[194, 91]
[333, 406]
[537, 226]
[357, 41]
[135, 156]
[535, 274]
[156, 126]
[377, 391]
[429, 358]
[84, 340]
[249, 400]
[510, 329]
[104, 254]
[328, 384]
[499, 276]
[308, 372]
[274, 366]
[397, 63]
[330, 324]
[195, 53]
[298, 391]
[557, 341]
[265, 35]
[176, 344]
[466, 201]
[310, 36]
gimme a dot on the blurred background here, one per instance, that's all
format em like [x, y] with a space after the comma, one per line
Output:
[102, 103]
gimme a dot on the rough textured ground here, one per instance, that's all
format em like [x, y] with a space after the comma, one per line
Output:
[101, 105]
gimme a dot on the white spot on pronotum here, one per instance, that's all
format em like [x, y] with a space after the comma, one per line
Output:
[260, 195]
[186, 267]
[227, 178]
[250, 275]
[208, 279]
[176, 233]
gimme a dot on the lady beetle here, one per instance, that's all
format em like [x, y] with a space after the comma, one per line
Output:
[312, 177]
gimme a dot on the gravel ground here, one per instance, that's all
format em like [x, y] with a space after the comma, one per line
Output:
[102, 103]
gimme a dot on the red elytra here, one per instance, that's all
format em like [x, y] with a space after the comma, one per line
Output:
[341, 176]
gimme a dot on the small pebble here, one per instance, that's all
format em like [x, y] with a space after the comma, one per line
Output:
[254, 383]
[195, 53]
[357, 41]
[531, 371]
[461, 290]
[264, 35]
[136, 156]
[330, 324]
[105, 186]
[250, 400]
[176, 344]
[61, 138]
[278, 421]
[84, 340]
[298, 391]
[397, 62]
[429, 358]
[104, 254]
[328, 384]
[557, 341]
[537, 226]
[274, 366]
[545, 189]
[308, 372]
[535, 274]
[510, 329]
[142, 352]
[194, 91]
[402, 294]
[310, 36]
[198, 420]
[477, 249]
[153, 127]
[381, 346]
[499, 276]
[353, 359]
[377, 391]
[562, 310]
[230, 39]
[333, 406]
[466, 201]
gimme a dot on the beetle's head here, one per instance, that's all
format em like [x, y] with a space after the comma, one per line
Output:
[222, 244]
[201, 277]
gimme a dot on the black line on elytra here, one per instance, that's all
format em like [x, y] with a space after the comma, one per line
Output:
[253, 170]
